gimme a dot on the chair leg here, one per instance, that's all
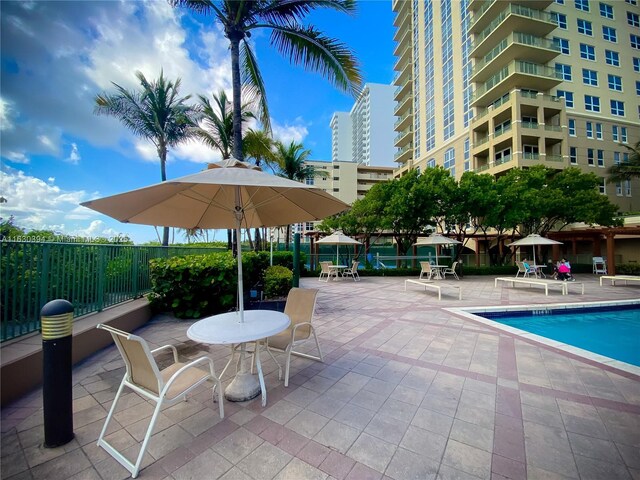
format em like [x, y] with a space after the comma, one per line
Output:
[260, 374]
[111, 411]
[147, 437]
[286, 367]
[315, 337]
[274, 359]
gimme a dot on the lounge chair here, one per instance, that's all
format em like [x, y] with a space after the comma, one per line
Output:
[599, 266]
[426, 270]
[163, 387]
[522, 269]
[451, 271]
[300, 305]
[352, 272]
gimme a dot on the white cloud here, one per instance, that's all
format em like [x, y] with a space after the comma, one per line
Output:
[79, 49]
[74, 155]
[17, 157]
[288, 133]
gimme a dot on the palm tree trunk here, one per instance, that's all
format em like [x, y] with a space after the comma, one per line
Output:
[258, 240]
[286, 241]
[162, 152]
[229, 239]
[237, 101]
[249, 238]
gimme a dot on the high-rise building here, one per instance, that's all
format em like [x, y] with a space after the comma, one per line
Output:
[365, 134]
[489, 85]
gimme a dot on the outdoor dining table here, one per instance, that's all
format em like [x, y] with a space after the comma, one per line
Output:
[226, 329]
[338, 269]
[438, 270]
[538, 270]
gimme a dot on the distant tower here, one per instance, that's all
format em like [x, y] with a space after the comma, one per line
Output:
[341, 138]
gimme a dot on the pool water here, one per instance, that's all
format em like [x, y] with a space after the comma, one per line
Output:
[610, 331]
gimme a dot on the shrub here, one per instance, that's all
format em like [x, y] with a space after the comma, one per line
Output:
[277, 281]
[194, 285]
[628, 269]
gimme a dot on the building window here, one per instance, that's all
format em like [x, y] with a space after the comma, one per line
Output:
[633, 19]
[572, 127]
[590, 160]
[589, 130]
[573, 155]
[560, 19]
[614, 82]
[616, 158]
[450, 161]
[635, 41]
[632, 2]
[636, 64]
[467, 163]
[637, 87]
[606, 10]
[600, 154]
[599, 131]
[431, 163]
[627, 188]
[502, 156]
[614, 133]
[612, 58]
[618, 189]
[562, 44]
[603, 186]
[582, 5]
[592, 103]
[585, 27]
[588, 52]
[531, 152]
[617, 108]
[568, 97]
[590, 77]
[336, 179]
[609, 34]
[563, 71]
[559, 2]
[623, 134]
[309, 181]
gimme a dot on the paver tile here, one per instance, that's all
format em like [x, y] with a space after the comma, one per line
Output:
[296, 469]
[407, 465]
[372, 452]
[264, 462]
[237, 445]
[206, 465]
[469, 459]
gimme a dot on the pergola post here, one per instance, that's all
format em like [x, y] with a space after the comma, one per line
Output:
[611, 261]
[477, 252]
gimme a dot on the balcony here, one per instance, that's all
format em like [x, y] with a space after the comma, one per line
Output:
[402, 90]
[404, 154]
[403, 137]
[403, 13]
[403, 121]
[403, 106]
[514, 18]
[484, 11]
[402, 35]
[517, 74]
[516, 46]
[530, 125]
[404, 57]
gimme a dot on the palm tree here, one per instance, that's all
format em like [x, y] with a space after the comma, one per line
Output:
[156, 113]
[291, 164]
[629, 169]
[302, 45]
[216, 124]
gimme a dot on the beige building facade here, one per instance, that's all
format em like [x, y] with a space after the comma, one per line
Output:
[489, 85]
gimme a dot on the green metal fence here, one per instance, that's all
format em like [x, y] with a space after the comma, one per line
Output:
[90, 276]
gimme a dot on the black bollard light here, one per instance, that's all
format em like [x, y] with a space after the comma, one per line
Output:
[56, 321]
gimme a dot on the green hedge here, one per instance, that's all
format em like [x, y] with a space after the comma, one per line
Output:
[628, 269]
[193, 286]
[277, 281]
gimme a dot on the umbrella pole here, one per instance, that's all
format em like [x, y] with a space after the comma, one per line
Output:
[240, 281]
[337, 255]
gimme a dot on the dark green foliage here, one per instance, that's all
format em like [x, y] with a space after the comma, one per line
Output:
[628, 269]
[277, 281]
[194, 285]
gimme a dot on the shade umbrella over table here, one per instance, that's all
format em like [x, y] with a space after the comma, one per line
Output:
[337, 239]
[533, 240]
[435, 240]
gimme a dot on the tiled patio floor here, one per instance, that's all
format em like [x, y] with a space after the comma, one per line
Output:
[407, 391]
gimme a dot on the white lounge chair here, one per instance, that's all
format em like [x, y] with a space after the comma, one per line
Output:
[426, 270]
[352, 272]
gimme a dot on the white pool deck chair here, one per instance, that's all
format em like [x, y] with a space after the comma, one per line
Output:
[599, 266]
[164, 387]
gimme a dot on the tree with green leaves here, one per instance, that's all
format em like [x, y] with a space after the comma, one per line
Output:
[156, 112]
[303, 45]
[627, 170]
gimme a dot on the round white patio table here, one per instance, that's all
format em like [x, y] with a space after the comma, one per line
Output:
[337, 269]
[226, 329]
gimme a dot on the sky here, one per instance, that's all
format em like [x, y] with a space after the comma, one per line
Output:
[56, 56]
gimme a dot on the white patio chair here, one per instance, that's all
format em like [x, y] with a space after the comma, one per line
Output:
[164, 387]
[524, 270]
[352, 272]
[426, 270]
[301, 303]
[451, 271]
[599, 265]
[326, 271]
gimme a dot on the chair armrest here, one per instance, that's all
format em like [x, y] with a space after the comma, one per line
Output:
[186, 367]
[164, 347]
[301, 324]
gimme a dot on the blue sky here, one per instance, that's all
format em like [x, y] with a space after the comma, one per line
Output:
[57, 55]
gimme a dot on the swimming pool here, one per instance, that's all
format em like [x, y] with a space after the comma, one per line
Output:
[607, 329]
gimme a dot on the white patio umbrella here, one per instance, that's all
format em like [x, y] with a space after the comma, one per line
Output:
[337, 239]
[437, 239]
[230, 194]
[533, 240]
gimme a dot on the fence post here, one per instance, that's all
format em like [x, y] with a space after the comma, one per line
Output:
[44, 275]
[134, 265]
[101, 278]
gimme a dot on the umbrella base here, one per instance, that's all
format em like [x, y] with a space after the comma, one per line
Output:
[243, 387]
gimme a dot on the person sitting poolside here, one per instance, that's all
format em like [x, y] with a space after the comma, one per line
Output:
[564, 271]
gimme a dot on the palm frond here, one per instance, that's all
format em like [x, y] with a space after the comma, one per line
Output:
[253, 84]
[308, 47]
[288, 12]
